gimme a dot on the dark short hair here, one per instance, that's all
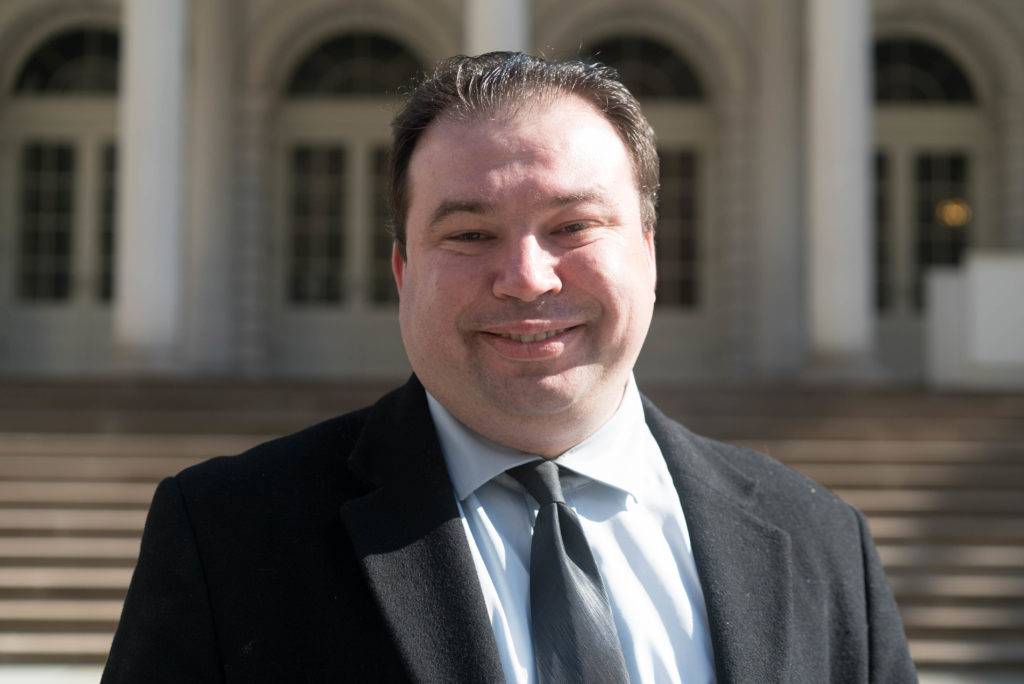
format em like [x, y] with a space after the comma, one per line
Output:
[467, 87]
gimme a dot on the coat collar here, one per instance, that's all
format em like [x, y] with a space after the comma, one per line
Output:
[408, 535]
[743, 561]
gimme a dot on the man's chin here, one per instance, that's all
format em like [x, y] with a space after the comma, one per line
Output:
[547, 395]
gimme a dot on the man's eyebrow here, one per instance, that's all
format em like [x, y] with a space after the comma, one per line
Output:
[580, 197]
[449, 207]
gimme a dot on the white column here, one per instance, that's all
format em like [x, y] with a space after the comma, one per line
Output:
[780, 236]
[841, 317]
[148, 309]
[210, 184]
[497, 25]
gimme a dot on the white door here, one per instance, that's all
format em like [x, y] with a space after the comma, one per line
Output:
[929, 210]
[57, 230]
[336, 301]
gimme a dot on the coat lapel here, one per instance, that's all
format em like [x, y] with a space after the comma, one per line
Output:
[744, 563]
[409, 537]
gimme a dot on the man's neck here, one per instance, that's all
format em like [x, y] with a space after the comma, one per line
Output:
[548, 435]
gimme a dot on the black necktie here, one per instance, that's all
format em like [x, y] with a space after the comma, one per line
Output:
[574, 637]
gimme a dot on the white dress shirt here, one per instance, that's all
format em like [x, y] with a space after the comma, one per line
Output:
[621, 490]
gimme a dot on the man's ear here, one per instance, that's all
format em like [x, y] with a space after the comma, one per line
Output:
[649, 240]
[397, 266]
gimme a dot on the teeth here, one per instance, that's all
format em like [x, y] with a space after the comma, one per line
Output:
[533, 338]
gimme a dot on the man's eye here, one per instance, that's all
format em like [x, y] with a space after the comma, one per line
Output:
[469, 236]
[573, 227]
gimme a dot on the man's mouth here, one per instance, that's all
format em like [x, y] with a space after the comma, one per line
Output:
[539, 337]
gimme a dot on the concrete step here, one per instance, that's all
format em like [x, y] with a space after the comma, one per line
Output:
[793, 451]
[78, 494]
[944, 501]
[950, 556]
[30, 614]
[63, 580]
[57, 550]
[940, 477]
[978, 652]
[942, 528]
[985, 618]
[94, 522]
[54, 647]
[921, 585]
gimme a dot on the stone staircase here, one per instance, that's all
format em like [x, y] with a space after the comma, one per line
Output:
[941, 478]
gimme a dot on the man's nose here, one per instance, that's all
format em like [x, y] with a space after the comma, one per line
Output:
[527, 271]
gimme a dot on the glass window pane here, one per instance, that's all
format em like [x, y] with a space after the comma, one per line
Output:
[913, 71]
[942, 218]
[316, 241]
[45, 218]
[648, 68]
[355, 64]
[80, 61]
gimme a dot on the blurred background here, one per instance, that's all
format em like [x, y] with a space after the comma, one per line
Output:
[193, 257]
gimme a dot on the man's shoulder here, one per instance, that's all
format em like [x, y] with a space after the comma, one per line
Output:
[776, 488]
[324, 441]
[308, 466]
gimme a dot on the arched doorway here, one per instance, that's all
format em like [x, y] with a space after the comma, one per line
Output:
[928, 168]
[337, 299]
[59, 168]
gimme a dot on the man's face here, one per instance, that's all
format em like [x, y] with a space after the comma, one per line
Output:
[528, 284]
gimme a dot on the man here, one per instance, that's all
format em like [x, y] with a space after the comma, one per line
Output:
[412, 541]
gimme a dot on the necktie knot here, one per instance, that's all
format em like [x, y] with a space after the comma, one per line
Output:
[540, 479]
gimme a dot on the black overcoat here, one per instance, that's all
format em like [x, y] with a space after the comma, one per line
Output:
[337, 555]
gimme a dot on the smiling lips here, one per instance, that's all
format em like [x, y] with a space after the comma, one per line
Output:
[539, 337]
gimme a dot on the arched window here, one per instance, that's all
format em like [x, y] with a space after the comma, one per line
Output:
[648, 68]
[80, 61]
[653, 71]
[354, 64]
[51, 225]
[913, 71]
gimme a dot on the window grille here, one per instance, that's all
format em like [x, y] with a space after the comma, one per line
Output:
[913, 71]
[354, 64]
[80, 62]
[648, 68]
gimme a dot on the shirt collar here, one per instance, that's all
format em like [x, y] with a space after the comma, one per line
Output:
[606, 456]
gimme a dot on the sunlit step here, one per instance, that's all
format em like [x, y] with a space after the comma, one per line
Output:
[72, 520]
[907, 585]
[36, 578]
[60, 610]
[967, 651]
[915, 555]
[72, 646]
[124, 549]
[963, 617]
[76, 492]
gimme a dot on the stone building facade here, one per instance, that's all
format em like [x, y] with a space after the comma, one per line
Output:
[195, 188]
